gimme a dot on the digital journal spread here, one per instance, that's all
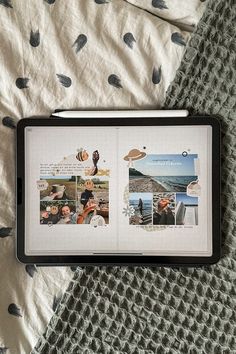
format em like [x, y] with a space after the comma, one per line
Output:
[122, 190]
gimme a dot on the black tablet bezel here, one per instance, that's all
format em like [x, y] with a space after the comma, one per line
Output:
[112, 260]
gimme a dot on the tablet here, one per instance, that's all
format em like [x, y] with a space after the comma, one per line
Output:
[118, 191]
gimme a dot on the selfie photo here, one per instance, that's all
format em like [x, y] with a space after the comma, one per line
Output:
[59, 212]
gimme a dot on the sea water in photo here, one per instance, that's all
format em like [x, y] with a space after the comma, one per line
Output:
[175, 183]
[166, 172]
[142, 204]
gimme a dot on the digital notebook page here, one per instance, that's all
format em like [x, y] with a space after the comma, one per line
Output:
[118, 190]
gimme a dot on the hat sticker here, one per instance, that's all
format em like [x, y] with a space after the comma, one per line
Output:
[134, 155]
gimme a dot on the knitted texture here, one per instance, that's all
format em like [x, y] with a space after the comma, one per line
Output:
[168, 310]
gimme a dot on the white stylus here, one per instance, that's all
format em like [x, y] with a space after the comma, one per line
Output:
[122, 114]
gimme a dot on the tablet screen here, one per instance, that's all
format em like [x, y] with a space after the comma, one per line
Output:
[138, 190]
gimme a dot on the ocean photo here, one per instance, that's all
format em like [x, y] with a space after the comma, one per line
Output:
[144, 184]
[174, 183]
[142, 204]
[163, 173]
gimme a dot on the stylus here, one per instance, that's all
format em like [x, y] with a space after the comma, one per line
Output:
[121, 113]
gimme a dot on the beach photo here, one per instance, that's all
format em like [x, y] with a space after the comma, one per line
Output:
[58, 212]
[92, 200]
[164, 208]
[186, 209]
[58, 188]
[163, 173]
[142, 206]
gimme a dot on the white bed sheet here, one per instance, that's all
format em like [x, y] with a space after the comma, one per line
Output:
[72, 54]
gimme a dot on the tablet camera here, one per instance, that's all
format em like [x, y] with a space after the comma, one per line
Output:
[184, 154]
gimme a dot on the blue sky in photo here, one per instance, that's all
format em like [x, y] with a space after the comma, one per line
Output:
[167, 165]
[183, 197]
[143, 196]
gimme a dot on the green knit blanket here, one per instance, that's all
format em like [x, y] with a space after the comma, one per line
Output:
[168, 310]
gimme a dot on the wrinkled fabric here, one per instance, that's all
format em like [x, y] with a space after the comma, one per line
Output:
[71, 54]
[182, 12]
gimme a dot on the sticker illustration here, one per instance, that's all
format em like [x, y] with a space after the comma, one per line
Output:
[194, 189]
[134, 155]
[82, 155]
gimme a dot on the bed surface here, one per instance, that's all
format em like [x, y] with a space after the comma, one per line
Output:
[77, 54]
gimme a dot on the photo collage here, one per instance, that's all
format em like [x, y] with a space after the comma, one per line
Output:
[80, 199]
[164, 189]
